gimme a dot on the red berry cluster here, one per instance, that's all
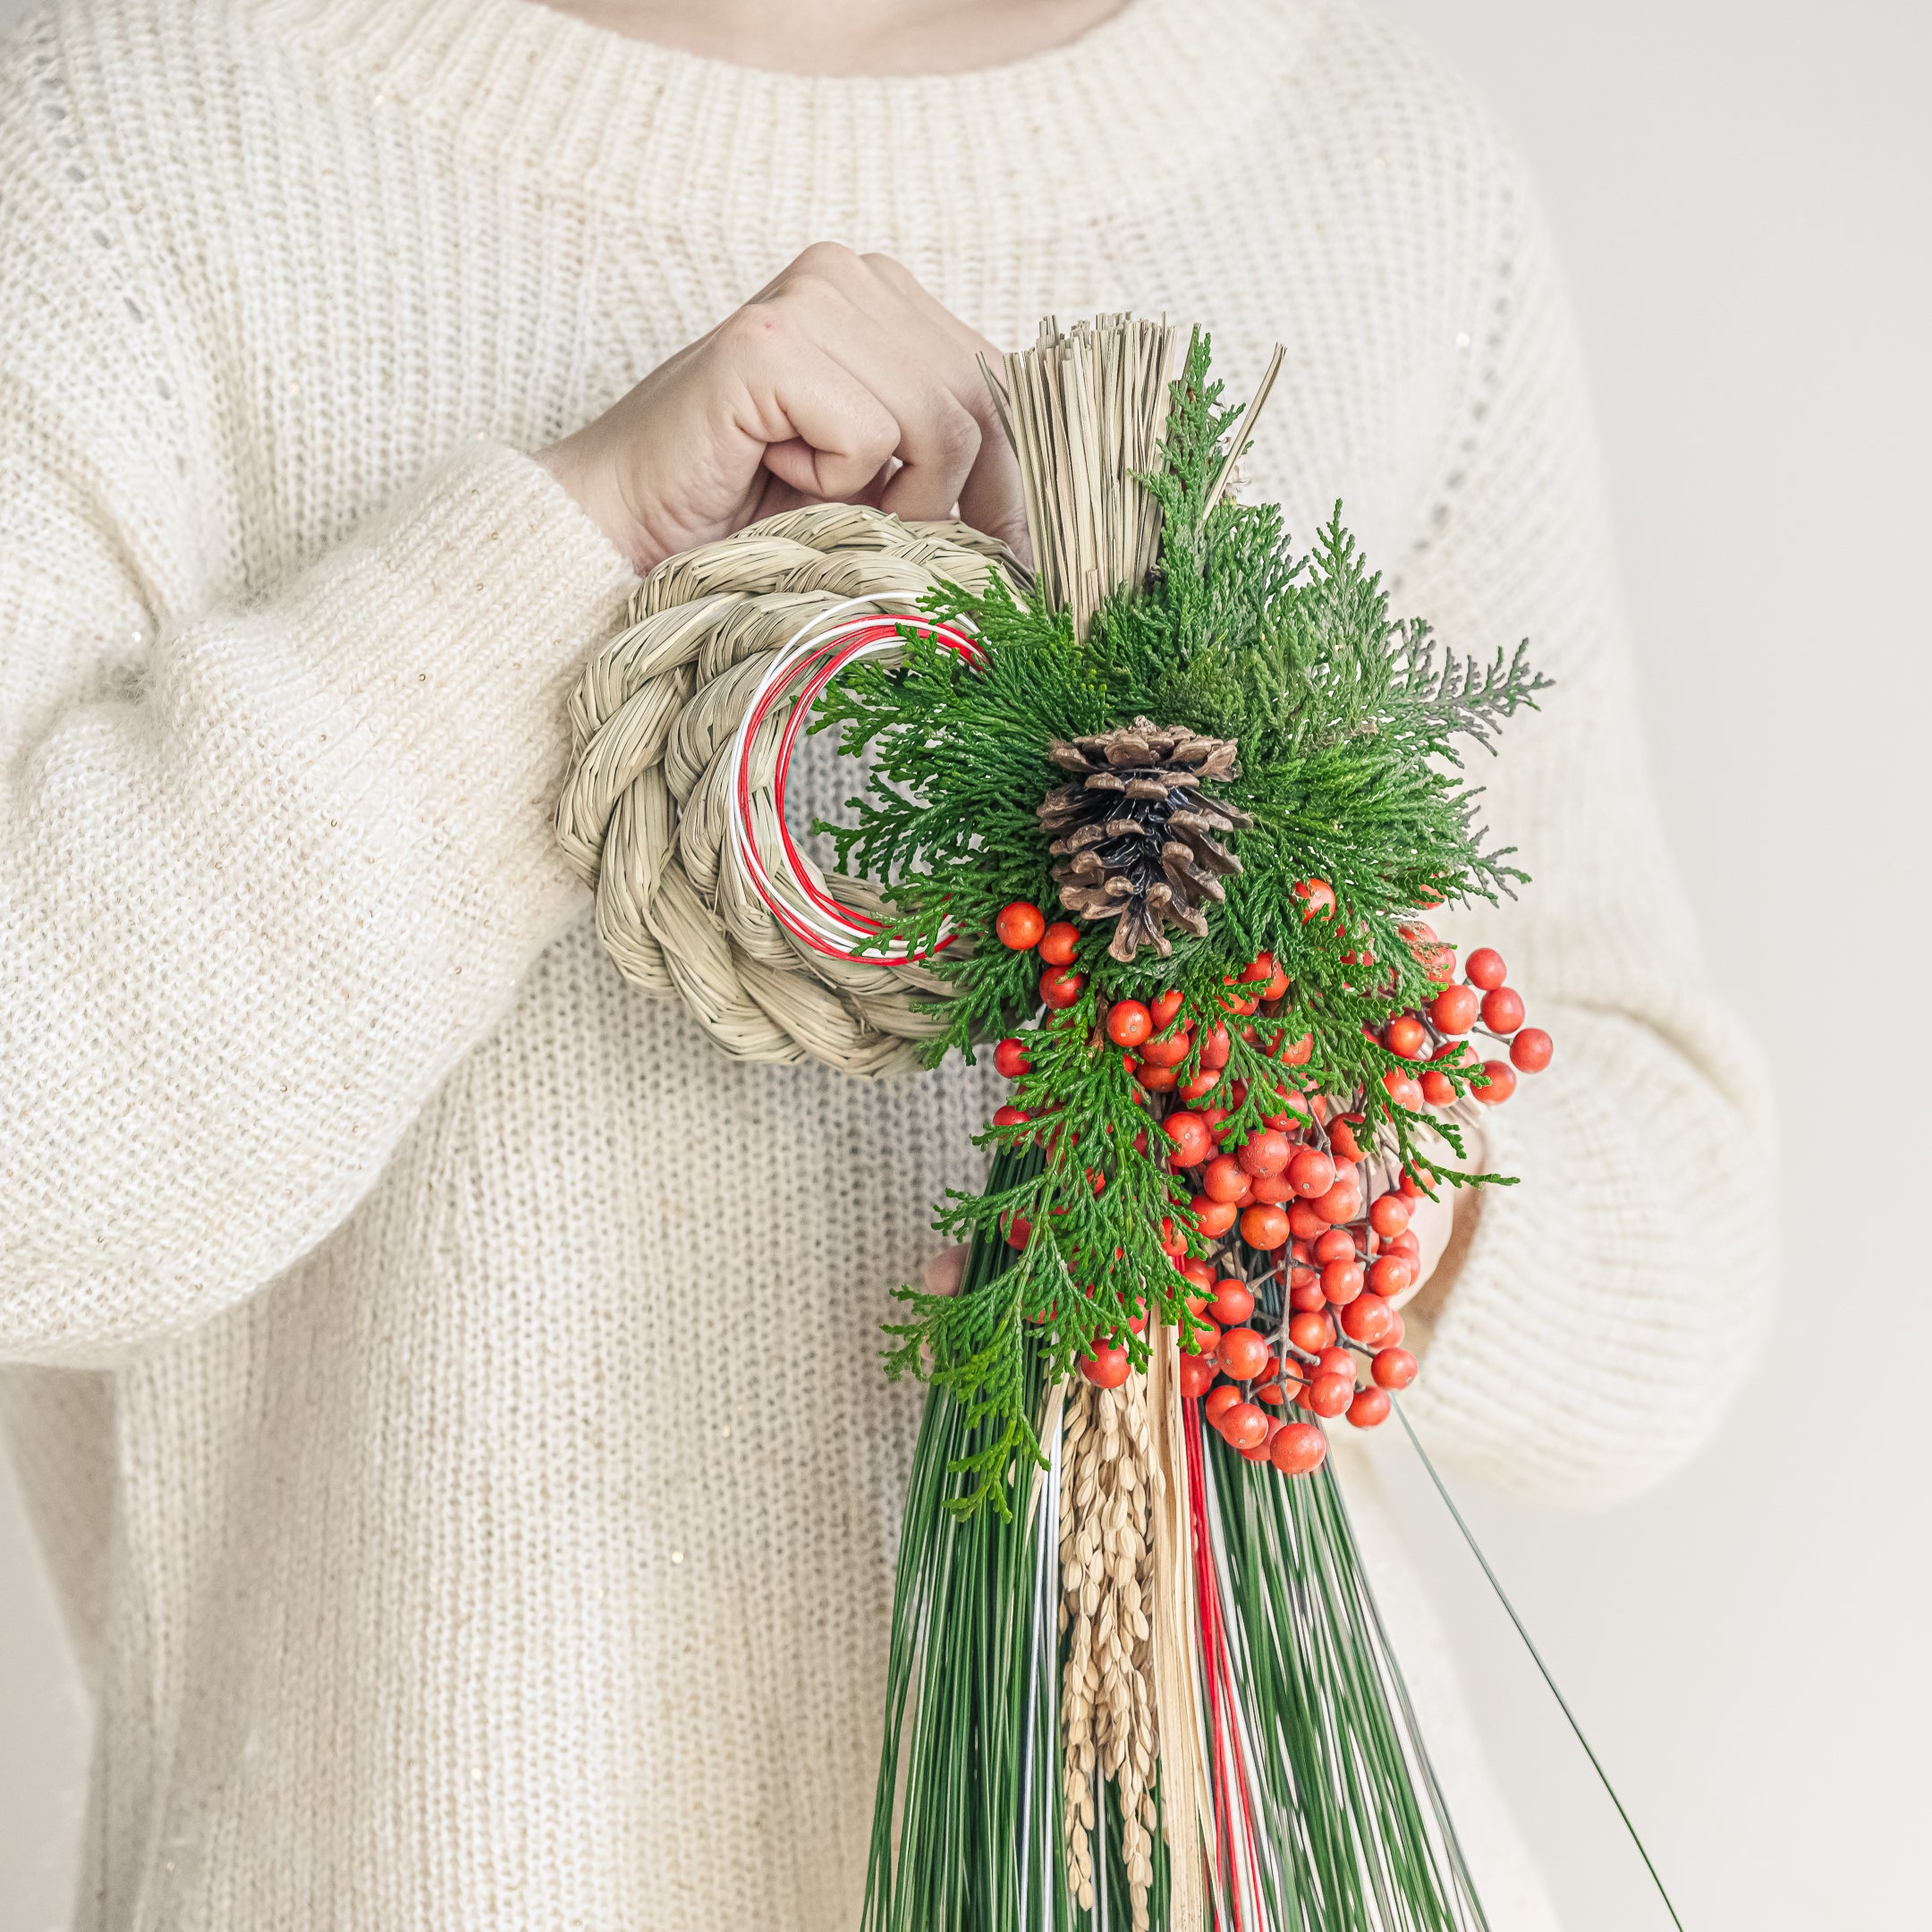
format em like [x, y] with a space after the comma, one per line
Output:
[1438, 1032]
[1299, 1241]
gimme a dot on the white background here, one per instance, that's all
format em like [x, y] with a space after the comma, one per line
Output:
[1743, 195]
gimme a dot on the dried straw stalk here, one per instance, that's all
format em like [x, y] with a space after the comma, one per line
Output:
[1085, 410]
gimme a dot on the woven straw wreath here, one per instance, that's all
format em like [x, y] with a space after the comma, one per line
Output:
[659, 751]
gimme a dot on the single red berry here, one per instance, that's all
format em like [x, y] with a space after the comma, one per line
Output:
[1010, 1058]
[1244, 1426]
[1264, 1226]
[1389, 1214]
[1277, 984]
[1243, 1354]
[1454, 1009]
[1485, 968]
[1342, 1203]
[1220, 1401]
[1165, 1007]
[1303, 1223]
[1338, 1361]
[1158, 1078]
[1393, 1368]
[1406, 1037]
[1058, 942]
[1167, 1053]
[1342, 1281]
[1200, 1273]
[1330, 1394]
[1296, 1052]
[1232, 1304]
[1342, 1141]
[1060, 986]
[1299, 1449]
[1317, 897]
[1009, 1116]
[1261, 966]
[1107, 1368]
[1370, 1409]
[1266, 1153]
[1403, 1089]
[1501, 1083]
[1368, 1319]
[1222, 1179]
[1213, 1217]
[1332, 1244]
[1197, 1376]
[1531, 1050]
[1273, 1187]
[1128, 1022]
[1019, 925]
[1503, 1010]
[1390, 1274]
[1200, 1086]
[1019, 1232]
[1305, 1292]
[1277, 1392]
[1438, 1088]
[1311, 1171]
[1310, 1332]
[1215, 1047]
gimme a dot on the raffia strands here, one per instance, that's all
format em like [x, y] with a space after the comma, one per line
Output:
[1107, 1723]
[1086, 409]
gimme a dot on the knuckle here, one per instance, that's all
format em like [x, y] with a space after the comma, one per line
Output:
[825, 261]
[958, 433]
[757, 328]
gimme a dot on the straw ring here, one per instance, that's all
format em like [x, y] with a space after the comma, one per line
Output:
[673, 810]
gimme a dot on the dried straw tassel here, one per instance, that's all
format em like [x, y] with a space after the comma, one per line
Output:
[1085, 410]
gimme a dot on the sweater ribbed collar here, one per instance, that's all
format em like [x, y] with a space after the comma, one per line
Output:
[1044, 143]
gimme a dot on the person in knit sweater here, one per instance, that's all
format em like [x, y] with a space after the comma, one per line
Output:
[446, 1388]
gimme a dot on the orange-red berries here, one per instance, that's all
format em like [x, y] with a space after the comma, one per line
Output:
[1128, 1022]
[1010, 1058]
[1058, 942]
[1531, 1049]
[1264, 1226]
[1019, 925]
[1299, 1449]
[1485, 969]
[1061, 985]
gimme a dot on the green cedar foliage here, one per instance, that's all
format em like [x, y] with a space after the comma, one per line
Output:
[1350, 725]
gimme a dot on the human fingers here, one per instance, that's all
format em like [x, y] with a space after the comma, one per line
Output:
[944, 1272]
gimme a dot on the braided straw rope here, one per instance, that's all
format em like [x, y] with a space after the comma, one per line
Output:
[646, 814]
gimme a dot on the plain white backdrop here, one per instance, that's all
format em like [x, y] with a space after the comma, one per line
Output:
[1743, 194]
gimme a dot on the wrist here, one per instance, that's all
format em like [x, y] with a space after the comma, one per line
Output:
[589, 483]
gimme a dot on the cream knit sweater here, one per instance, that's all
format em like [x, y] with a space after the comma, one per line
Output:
[446, 1389]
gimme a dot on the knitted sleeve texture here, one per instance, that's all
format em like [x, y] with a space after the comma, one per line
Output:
[1610, 1302]
[271, 859]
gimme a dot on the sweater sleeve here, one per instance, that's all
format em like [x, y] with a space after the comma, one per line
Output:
[1609, 1303]
[269, 864]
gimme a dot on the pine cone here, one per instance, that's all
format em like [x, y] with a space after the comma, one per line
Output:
[1137, 835]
